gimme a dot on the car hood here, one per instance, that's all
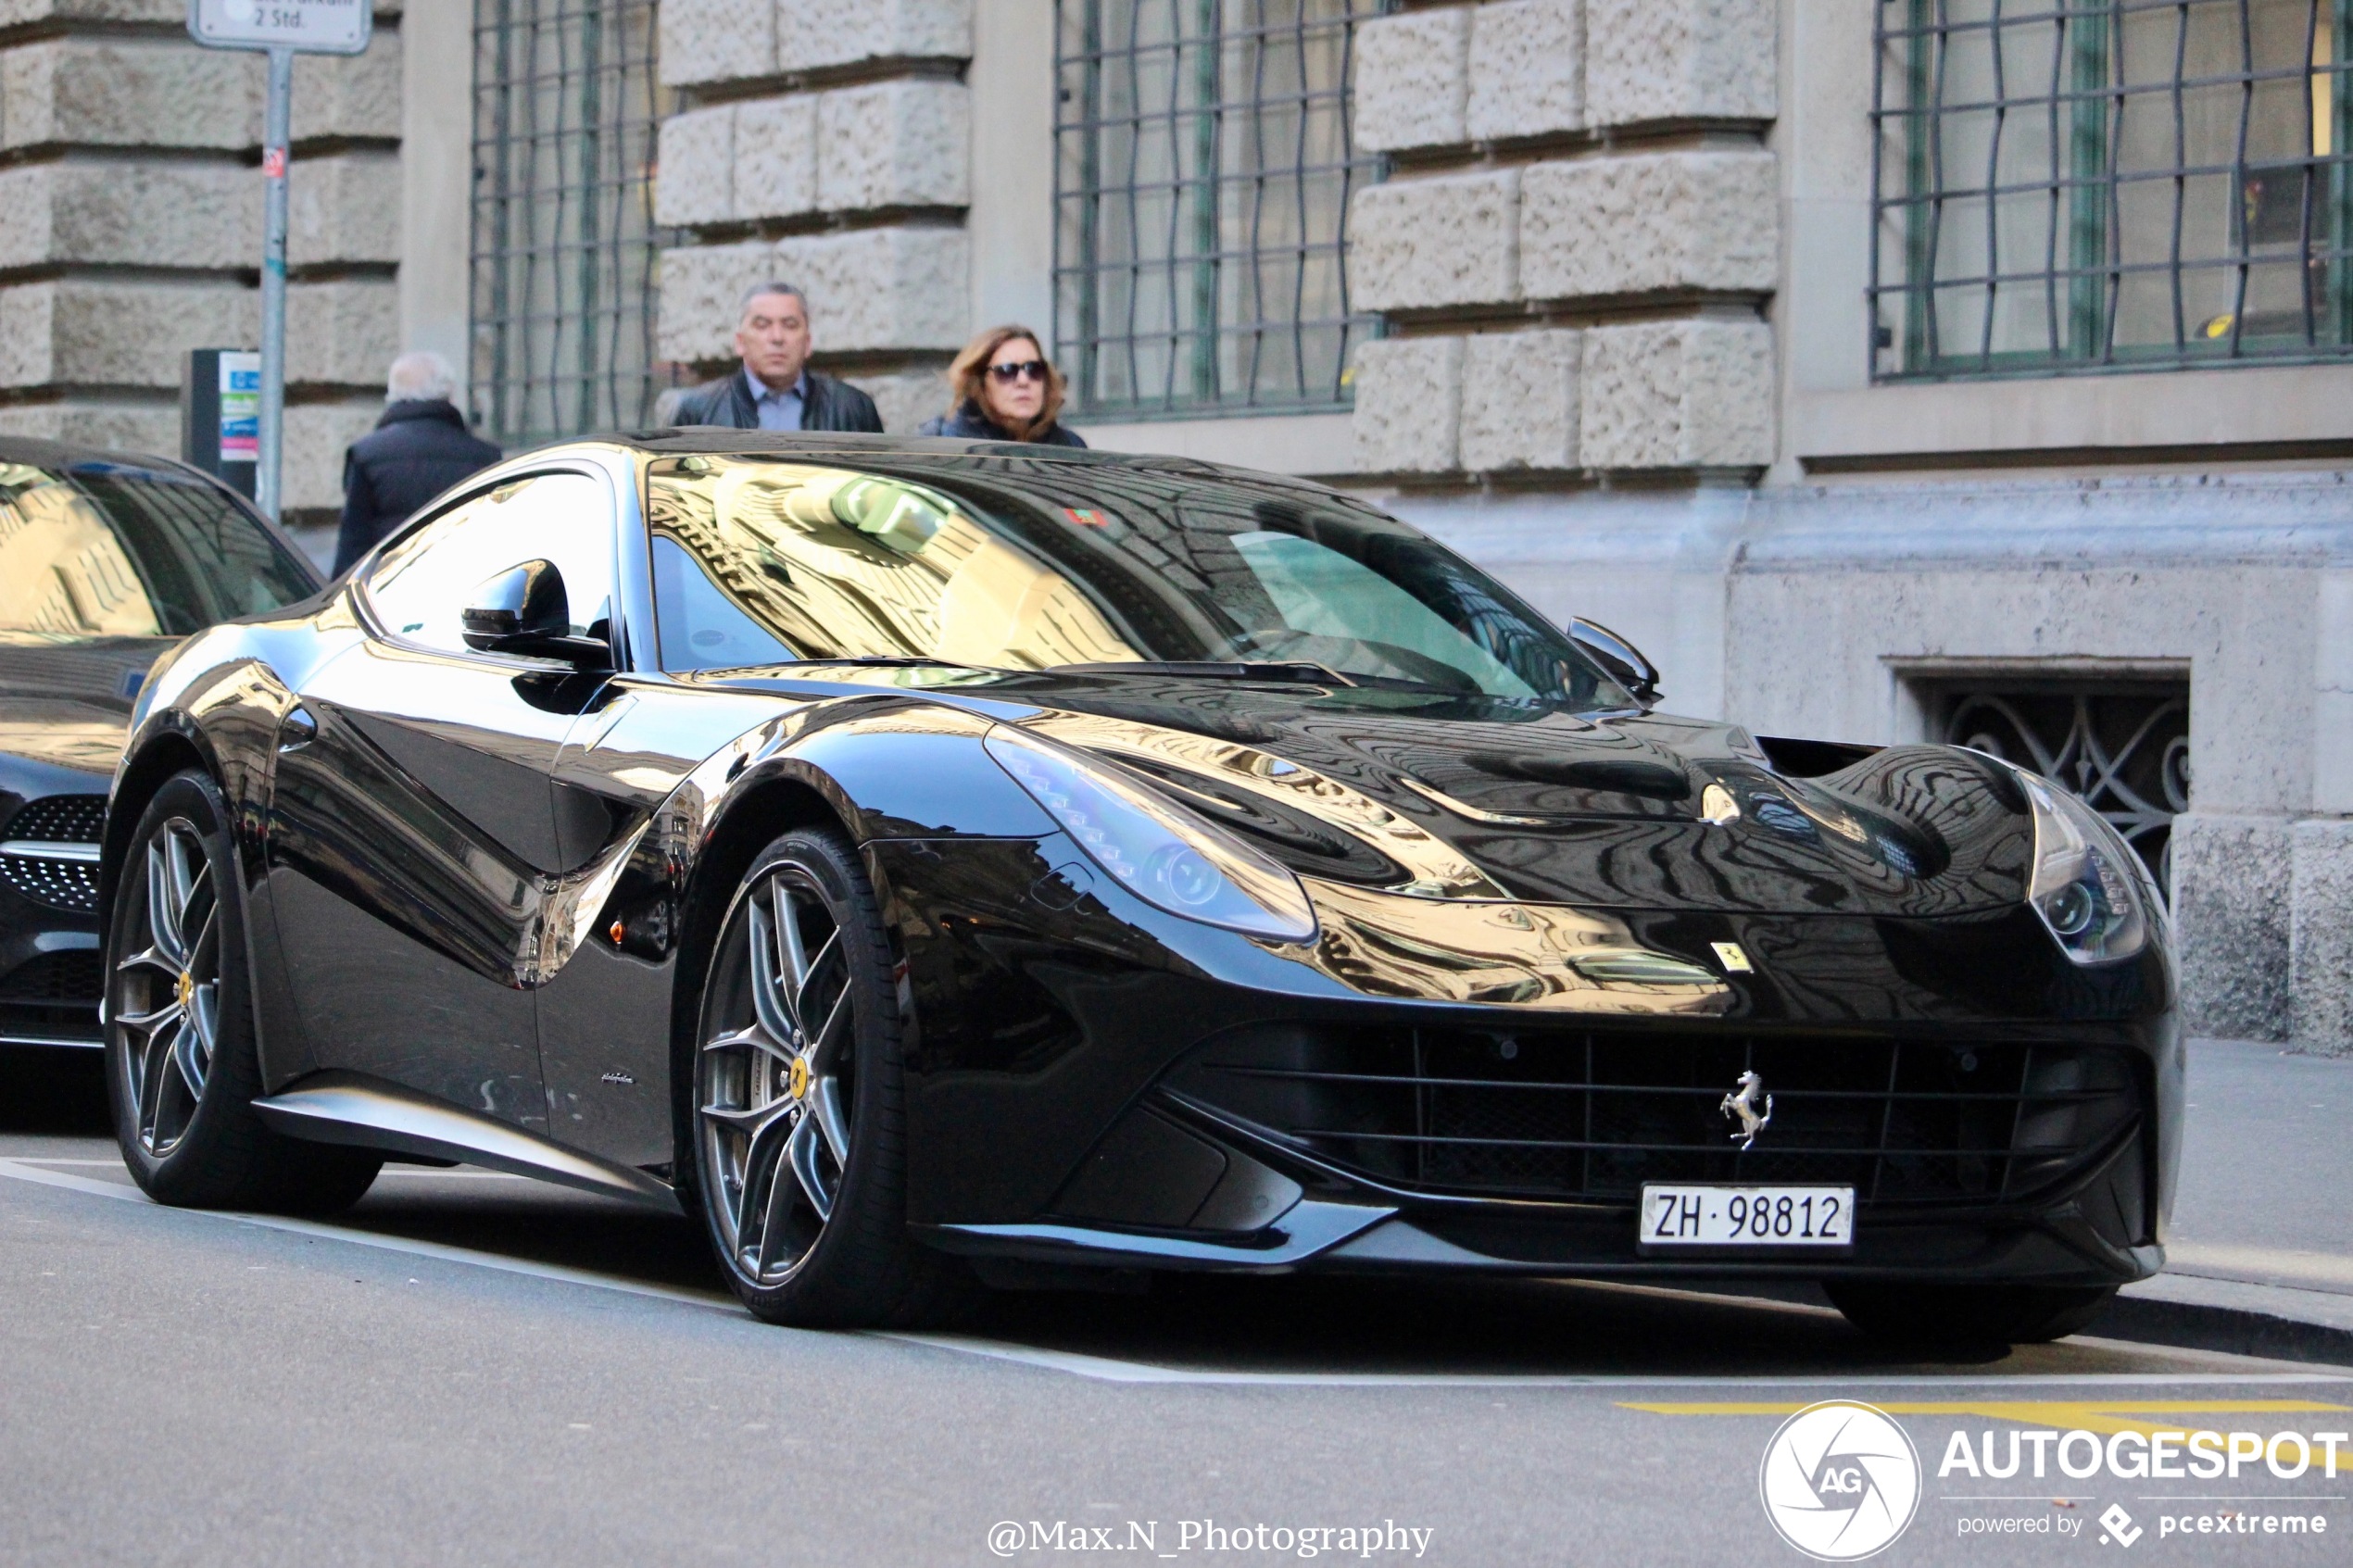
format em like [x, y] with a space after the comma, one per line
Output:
[1445, 796]
[67, 705]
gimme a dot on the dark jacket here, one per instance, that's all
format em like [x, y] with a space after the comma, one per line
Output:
[419, 449]
[969, 423]
[830, 405]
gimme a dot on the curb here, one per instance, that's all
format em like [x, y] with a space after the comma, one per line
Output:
[2195, 1327]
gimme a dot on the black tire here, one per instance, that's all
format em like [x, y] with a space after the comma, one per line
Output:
[1963, 1316]
[785, 1090]
[182, 1068]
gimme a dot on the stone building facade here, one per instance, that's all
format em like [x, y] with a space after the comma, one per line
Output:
[1752, 328]
[128, 178]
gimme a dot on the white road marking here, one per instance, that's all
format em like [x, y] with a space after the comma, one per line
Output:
[1103, 1369]
[27, 1170]
[460, 1174]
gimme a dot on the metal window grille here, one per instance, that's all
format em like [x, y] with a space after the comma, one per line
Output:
[1204, 164]
[565, 104]
[2064, 185]
[2123, 746]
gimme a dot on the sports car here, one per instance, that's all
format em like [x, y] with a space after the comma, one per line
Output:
[105, 561]
[927, 861]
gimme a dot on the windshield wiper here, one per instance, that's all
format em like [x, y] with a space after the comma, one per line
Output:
[1292, 672]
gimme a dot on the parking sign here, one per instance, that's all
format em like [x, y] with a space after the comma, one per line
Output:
[308, 26]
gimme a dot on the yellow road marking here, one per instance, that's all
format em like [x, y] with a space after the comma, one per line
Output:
[2090, 1415]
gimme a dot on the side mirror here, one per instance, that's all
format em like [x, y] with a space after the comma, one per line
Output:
[523, 610]
[1620, 659]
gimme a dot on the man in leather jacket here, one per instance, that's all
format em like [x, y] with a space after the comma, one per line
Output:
[774, 388]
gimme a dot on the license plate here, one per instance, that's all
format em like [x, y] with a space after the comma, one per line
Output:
[1747, 1216]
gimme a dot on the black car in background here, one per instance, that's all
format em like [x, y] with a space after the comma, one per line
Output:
[106, 560]
[923, 859]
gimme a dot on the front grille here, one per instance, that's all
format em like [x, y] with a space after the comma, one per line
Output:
[53, 996]
[63, 884]
[1579, 1115]
[76, 976]
[78, 818]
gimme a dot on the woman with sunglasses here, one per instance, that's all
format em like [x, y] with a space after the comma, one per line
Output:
[1005, 390]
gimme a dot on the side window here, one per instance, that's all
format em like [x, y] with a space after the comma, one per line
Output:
[701, 627]
[420, 585]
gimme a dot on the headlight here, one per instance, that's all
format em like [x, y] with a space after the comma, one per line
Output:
[1157, 850]
[2085, 889]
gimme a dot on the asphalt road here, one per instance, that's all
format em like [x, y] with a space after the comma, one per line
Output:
[474, 1368]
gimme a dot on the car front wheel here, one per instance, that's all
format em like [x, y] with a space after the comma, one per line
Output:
[801, 1144]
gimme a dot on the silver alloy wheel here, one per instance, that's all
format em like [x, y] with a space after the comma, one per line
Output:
[772, 1080]
[167, 994]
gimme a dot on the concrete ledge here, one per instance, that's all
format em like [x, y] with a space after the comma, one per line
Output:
[2115, 414]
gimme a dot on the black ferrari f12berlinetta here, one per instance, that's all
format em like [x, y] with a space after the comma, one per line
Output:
[923, 861]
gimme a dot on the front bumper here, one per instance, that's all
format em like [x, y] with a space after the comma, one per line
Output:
[1056, 1113]
[2094, 1230]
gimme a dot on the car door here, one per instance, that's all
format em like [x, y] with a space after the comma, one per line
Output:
[414, 837]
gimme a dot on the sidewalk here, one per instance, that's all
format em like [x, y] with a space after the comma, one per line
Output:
[2259, 1259]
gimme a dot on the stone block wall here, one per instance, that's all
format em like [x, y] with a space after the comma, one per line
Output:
[1581, 200]
[129, 177]
[824, 143]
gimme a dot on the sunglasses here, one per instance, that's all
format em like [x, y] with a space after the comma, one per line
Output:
[1025, 370]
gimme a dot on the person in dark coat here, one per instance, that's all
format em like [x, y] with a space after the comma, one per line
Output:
[419, 448]
[1005, 390]
[774, 388]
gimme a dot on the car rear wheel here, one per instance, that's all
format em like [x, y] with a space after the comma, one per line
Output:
[800, 1134]
[182, 1072]
[1968, 1314]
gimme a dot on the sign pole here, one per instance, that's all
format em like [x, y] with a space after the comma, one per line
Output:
[283, 28]
[277, 130]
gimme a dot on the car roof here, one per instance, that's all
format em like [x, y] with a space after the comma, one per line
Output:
[721, 439]
[36, 453]
[789, 447]
[1149, 468]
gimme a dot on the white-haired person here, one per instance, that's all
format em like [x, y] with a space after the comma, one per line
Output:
[419, 448]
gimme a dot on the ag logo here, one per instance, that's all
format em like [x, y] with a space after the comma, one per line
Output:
[1840, 1481]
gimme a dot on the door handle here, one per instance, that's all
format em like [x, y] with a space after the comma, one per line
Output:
[297, 728]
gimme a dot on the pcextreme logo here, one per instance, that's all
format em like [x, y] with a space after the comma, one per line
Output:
[1840, 1481]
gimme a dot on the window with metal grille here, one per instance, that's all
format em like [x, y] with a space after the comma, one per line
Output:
[2067, 185]
[2124, 746]
[565, 105]
[1204, 163]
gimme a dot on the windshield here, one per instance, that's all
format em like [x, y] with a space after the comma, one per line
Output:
[99, 549]
[1037, 566]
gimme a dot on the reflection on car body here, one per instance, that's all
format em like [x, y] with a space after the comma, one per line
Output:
[105, 562]
[916, 857]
